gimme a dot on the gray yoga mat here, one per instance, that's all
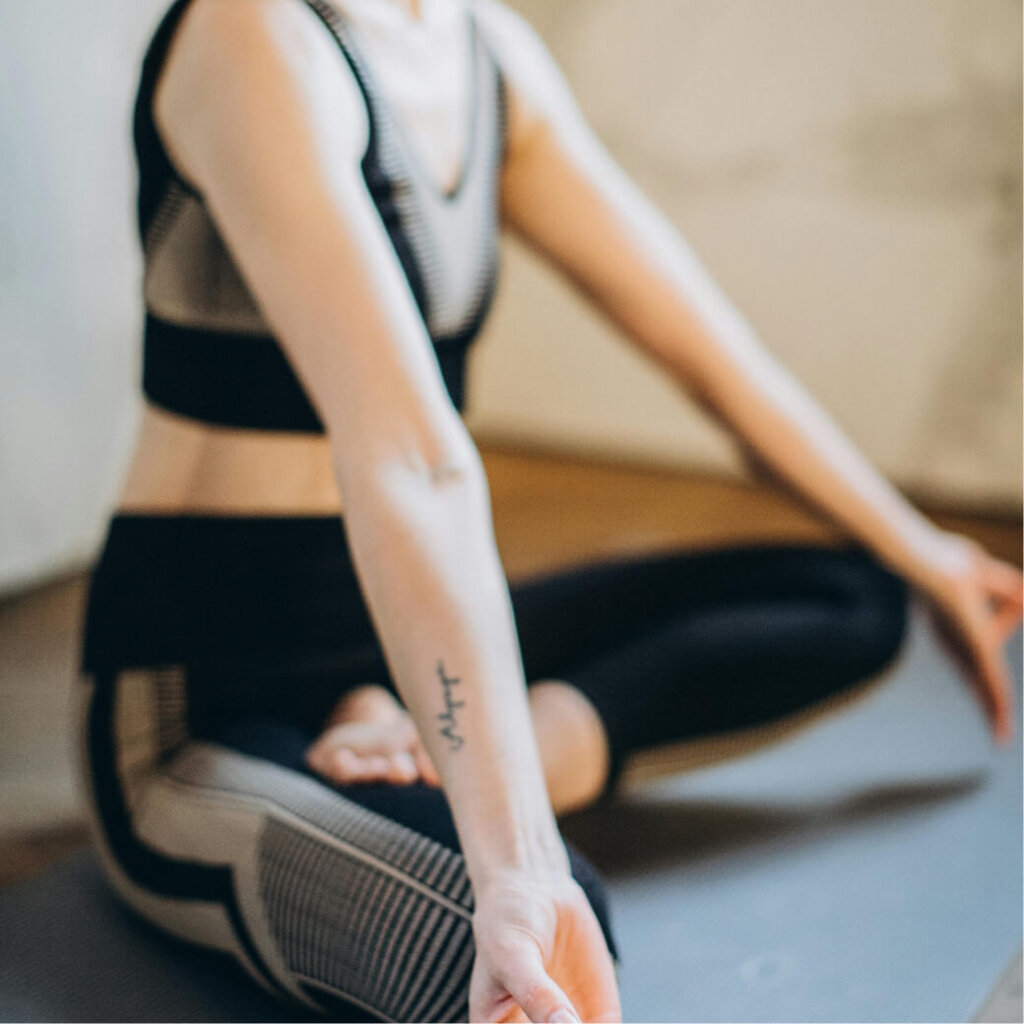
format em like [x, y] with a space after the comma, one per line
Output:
[70, 952]
[867, 870]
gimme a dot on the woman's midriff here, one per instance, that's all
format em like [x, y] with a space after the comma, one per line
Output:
[182, 466]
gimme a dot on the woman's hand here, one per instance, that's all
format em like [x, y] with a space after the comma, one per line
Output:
[976, 602]
[540, 954]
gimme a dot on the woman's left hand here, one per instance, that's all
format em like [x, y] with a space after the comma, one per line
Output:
[976, 602]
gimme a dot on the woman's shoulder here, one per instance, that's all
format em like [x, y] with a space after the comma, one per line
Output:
[514, 40]
[232, 26]
[252, 58]
[537, 87]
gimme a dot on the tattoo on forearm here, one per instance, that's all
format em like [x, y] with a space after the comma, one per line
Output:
[448, 715]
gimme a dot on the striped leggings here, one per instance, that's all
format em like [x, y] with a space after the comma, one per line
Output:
[324, 902]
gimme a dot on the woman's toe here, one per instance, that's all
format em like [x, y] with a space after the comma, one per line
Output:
[347, 765]
[378, 766]
[403, 767]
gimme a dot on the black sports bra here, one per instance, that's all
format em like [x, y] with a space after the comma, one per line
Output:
[208, 353]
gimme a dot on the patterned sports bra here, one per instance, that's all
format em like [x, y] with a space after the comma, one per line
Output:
[208, 353]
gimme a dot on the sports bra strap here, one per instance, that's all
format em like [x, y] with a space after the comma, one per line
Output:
[159, 168]
[156, 168]
[208, 353]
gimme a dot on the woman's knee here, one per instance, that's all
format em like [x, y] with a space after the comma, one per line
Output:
[878, 605]
[417, 806]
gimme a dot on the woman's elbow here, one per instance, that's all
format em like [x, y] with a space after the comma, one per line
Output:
[416, 472]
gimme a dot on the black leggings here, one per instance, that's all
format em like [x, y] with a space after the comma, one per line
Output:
[670, 647]
[215, 647]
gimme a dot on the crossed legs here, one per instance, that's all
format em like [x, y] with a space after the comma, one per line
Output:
[349, 898]
[673, 649]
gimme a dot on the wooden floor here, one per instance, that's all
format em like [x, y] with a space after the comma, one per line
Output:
[549, 511]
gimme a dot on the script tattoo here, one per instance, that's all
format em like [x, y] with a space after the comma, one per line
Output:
[448, 715]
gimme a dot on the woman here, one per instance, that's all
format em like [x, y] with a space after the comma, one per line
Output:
[321, 733]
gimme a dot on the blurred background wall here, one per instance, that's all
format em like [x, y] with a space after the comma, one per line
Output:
[70, 276]
[849, 170]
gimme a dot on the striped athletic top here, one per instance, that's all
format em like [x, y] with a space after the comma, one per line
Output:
[208, 353]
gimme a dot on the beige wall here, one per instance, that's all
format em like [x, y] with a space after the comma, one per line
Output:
[849, 170]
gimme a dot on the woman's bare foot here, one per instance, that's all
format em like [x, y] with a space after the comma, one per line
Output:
[370, 737]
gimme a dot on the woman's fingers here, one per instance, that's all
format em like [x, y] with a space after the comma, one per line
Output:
[1005, 579]
[978, 603]
[540, 954]
[1005, 588]
[992, 678]
[528, 983]
[1003, 585]
[1007, 619]
[997, 686]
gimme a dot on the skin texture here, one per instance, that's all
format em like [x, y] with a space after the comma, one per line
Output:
[258, 111]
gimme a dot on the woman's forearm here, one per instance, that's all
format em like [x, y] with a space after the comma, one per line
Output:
[424, 549]
[662, 297]
[271, 126]
[626, 255]
[567, 198]
[700, 338]
[791, 434]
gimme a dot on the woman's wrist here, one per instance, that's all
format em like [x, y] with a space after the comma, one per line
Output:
[933, 556]
[493, 778]
[538, 857]
[907, 542]
[517, 838]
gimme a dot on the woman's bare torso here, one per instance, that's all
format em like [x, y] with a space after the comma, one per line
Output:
[182, 465]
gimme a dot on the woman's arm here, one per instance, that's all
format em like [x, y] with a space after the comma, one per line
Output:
[260, 111]
[566, 197]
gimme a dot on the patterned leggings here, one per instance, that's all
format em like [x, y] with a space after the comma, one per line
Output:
[354, 900]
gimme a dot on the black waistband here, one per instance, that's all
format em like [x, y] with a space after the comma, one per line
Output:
[201, 589]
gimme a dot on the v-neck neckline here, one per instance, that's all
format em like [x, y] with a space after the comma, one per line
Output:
[470, 132]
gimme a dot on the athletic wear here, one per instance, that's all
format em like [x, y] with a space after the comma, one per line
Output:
[208, 352]
[353, 902]
[215, 647]
[692, 644]
[269, 615]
